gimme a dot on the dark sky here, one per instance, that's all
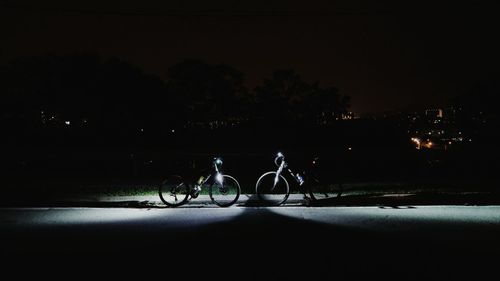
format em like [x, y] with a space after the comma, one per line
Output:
[385, 55]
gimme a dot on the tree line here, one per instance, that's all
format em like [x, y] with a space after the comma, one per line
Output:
[87, 90]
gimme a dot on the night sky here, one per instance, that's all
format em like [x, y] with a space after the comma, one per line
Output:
[384, 55]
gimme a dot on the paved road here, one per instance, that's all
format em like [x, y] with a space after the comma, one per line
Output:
[278, 240]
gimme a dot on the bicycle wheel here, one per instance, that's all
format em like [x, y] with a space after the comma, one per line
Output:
[174, 191]
[319, 191]
[271, 193]
[225, 194]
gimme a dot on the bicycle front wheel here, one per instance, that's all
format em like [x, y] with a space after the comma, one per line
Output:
[272, 190]
[319, 191]
[226, 192]
[174, 191]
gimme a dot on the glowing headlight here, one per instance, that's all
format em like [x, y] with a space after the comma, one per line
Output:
[219, 178]
[280, 154]
[218, 161]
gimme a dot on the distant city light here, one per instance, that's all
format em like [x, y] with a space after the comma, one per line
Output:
[173, 131]
[428, 144]
[349, 148]
[417, 142]
[67, 123]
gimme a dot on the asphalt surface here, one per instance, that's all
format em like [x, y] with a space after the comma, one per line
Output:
[260, 243]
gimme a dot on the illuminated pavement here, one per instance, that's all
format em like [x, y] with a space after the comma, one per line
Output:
[424, 219]
[378, 237]
[146, 201]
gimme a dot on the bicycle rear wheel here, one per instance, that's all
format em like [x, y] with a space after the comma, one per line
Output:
[272, 193]
[319, 191]
[174, 191]
[225, 194]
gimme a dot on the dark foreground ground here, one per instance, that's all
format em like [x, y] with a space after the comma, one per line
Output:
[260, 243]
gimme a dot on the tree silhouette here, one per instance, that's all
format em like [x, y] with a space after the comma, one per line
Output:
[81, 91]
[327, 105]
[206, 92]
[278, 97]
[476, 109]
[90, 99]
[287, 97]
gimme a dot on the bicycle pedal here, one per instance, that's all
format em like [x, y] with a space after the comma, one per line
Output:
[195, 193]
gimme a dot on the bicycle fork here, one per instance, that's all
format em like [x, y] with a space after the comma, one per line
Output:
[218, 177]
[277, 177]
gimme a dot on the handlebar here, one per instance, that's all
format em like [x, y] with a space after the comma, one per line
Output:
[279, 158]
[217, 163]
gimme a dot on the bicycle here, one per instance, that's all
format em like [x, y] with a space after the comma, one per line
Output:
[273, 188]
[224, 190]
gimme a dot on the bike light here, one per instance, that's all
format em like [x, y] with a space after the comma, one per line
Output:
[300, 178]
[218, 161]
[280, 154]
[218, 178]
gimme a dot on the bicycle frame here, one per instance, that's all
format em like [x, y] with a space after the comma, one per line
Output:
[284, 165]
[214, 175]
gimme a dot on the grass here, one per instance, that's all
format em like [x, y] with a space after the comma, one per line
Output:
[118, 190]
[348, 189]
[150, 188]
